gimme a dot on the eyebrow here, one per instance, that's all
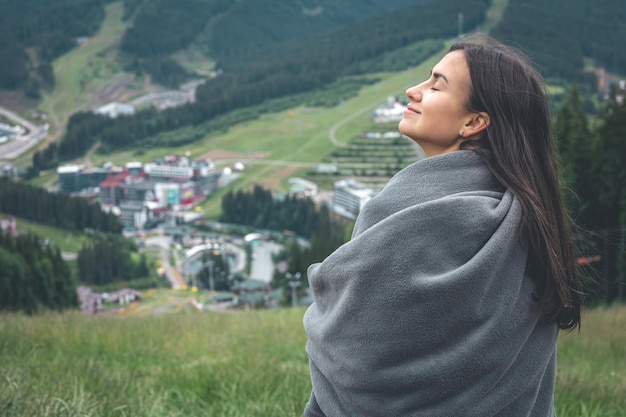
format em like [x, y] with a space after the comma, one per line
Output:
[439, 75]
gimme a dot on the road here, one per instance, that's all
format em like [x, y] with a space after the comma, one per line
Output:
[162, 242]
[333, 130]
[17, 119]
[262, 268]
[20, 145]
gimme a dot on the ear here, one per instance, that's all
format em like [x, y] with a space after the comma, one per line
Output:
[476, 124]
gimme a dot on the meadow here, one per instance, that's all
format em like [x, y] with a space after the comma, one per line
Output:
[245, 363]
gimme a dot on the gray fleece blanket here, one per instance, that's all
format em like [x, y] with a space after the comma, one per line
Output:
[426, 311]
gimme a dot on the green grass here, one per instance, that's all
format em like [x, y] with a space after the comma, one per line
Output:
[494, 15]
[591, 381]
[169, 360]
[66, 241]
[299, 135]
[248, 364]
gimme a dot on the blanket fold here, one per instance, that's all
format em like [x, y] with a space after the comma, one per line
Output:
[426, 311]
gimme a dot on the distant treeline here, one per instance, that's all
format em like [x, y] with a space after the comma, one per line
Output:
[162, 27]
[54, 209]
[259, 208]
[172, 127]
[33, 276]
[108, 259]
[259, 80]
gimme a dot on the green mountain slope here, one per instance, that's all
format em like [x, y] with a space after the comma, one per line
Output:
[220, 27]
[33, 33]
[559, 34]
[287, 51]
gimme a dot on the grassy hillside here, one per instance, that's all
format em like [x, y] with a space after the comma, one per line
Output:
[275, 146]
[234, 364]
[66, 241]
[288, 143]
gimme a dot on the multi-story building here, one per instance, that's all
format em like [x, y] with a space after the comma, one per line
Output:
[74, 178]
[134, 214]
[349, 196]
[138, 191]
[112, 189]
[200, 173]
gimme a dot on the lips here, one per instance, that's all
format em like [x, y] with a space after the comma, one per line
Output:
[411, 110]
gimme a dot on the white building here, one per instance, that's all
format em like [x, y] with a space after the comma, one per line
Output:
[392, 111]
[134, 214]
[10, 132]
[169, 171]
[115, 109]
[350, 196]
[300, 186]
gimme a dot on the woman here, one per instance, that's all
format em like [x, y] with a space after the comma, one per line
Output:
[448, 299]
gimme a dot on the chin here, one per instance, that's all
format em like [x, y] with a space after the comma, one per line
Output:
[401, 129]
[407, 134]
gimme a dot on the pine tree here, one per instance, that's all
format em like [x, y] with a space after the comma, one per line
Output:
[611, 216]
[577, 151]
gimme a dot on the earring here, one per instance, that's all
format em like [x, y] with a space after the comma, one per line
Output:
[462, 134]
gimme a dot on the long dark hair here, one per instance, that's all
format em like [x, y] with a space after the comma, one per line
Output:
[520, 152]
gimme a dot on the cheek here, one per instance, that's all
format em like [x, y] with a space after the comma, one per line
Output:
[451, 110]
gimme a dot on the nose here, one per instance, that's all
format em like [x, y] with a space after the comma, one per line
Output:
[414, 93]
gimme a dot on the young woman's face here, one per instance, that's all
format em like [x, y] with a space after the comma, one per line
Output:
[436, 113]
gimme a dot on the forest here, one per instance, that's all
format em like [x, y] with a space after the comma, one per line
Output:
[593, 157]
[260, 209]
[109, 259]
[54, 209]
[35, 32]
[34, 276]
[246, 36]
